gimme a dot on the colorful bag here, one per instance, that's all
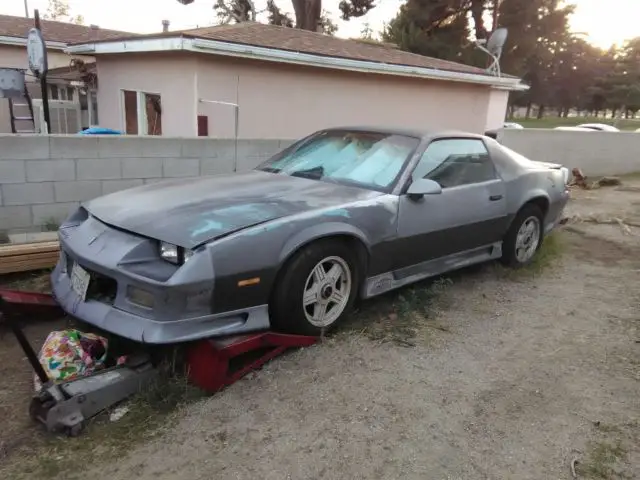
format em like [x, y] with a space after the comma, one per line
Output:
[70, 354]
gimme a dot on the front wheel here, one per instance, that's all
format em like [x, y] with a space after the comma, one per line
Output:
[524, 237]
[318, 286]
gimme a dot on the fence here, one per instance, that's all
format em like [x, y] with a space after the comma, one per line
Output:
[42, 177]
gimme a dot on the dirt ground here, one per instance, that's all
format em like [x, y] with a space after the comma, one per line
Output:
[490, 374]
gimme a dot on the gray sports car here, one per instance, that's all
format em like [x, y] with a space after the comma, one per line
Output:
[290, 245]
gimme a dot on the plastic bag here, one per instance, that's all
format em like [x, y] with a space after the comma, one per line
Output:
[69, 354]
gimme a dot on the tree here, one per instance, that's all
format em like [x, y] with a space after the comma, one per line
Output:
[237, 11]
[309, 14]
[59, 10]
[438, 28]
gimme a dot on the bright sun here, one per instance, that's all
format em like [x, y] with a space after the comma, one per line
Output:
[605, 23]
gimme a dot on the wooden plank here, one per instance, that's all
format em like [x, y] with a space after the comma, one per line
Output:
[27, 248]
[28, 256]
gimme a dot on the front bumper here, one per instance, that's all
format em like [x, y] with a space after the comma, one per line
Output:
[181, 308]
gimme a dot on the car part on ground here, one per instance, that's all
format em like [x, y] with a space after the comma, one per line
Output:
[374, 209]
[65, 407]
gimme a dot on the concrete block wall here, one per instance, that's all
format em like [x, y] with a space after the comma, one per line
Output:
[595, 153]
[43, 178]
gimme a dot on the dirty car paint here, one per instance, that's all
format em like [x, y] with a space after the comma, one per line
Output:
[191, 212]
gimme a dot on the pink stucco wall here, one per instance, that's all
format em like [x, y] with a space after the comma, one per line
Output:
[283, 101]
[497, 109]
[173, 77]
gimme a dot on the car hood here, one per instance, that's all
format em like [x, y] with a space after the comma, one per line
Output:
[189, 212]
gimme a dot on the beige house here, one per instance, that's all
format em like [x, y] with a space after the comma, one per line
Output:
[263, 81]
[71, 88]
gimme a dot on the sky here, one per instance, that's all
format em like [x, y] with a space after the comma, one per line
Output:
[592, 17]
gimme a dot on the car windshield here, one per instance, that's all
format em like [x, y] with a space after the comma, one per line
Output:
[369, 159]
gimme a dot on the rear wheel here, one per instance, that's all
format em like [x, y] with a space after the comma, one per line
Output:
[317, 287]
[524, 237]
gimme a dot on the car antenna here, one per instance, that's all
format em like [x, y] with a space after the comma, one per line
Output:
[493, 48]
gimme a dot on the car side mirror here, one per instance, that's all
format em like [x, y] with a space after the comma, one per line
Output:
[422, 187]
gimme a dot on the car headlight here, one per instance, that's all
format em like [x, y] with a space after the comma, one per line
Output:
[174, 254]
[566, 175]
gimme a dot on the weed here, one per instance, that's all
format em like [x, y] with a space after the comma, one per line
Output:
[400, 317]
[601, 460]
[51, 224]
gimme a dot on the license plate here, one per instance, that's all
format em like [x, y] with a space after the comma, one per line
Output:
[80, 280]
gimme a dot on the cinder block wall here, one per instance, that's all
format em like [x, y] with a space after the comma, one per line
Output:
[596, 153]
[43, 178]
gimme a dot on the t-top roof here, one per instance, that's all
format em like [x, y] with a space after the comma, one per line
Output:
[54, 31]
[303, 41]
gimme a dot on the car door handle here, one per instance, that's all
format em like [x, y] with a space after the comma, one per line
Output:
[495, 198]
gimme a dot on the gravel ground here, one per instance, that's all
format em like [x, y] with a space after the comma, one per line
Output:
[509, 376]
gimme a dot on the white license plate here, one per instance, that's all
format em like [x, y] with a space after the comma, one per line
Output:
[80, 281]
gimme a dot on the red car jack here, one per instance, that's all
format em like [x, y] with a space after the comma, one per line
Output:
[212, 363]
[29, 303]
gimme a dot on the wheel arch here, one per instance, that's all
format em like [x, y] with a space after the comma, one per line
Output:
[539, 200]
[326, 232]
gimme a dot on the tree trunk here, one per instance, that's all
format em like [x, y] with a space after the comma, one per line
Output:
[560, 112]
[540, 111]
[613, 112]
[527, 114]
[477, 10]
[566, 112]
[496, 6]
[308, 14]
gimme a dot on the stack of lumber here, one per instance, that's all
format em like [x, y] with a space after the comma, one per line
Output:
[23, 257]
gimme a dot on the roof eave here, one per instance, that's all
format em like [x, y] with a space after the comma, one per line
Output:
[200, 45]
[22, 42]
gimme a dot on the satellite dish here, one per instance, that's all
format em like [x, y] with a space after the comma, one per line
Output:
[493, 48]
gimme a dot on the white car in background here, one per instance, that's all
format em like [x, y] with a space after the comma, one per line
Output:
[575, 129]
[600, 127]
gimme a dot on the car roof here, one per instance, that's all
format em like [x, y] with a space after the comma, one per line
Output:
[422, 134]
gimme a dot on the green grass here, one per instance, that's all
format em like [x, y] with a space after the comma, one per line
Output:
[554, 121]
[552, 249]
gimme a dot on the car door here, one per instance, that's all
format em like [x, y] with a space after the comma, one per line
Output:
[470, 212]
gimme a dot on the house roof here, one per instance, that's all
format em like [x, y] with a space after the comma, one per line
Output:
[290, 45]
[58, 32]
[296, 40]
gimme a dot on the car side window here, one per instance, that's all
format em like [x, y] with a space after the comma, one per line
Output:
[455, 161]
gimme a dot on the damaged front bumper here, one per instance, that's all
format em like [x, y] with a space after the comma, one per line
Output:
[135, 294]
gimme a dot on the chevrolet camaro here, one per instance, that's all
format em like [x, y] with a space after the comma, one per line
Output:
[342, 214]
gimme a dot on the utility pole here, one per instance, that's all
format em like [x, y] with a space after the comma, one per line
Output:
[26, 8]
[43, 78]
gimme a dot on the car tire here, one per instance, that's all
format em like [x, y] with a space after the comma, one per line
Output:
[524, 237]
[316, 288]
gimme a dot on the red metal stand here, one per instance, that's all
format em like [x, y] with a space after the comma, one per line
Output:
[29, 303]
[209, 360]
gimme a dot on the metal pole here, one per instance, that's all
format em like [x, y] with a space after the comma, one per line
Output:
[235, 129]
[43, 84]
[26, 8]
